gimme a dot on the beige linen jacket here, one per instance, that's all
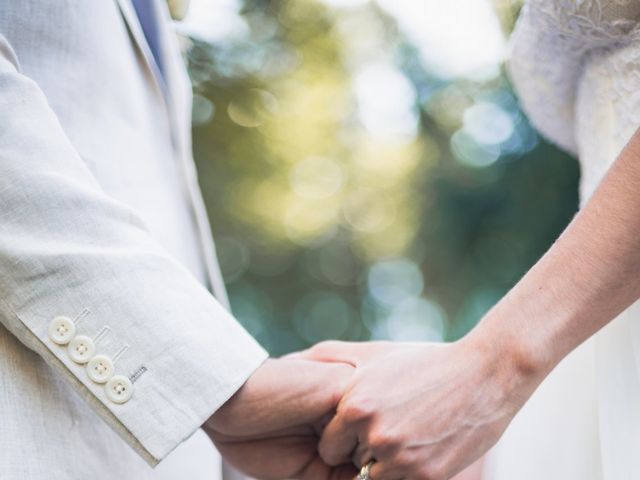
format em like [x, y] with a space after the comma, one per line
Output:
[104, 249]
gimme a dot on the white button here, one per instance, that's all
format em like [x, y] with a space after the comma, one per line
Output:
[62, 330]
[81, 349]
[119, 389]
[100, 368]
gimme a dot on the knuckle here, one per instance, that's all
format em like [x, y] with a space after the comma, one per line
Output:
[382, 439]
[325, 347]
[432, 472]
[403, 459]
[328, 454]
[358, 411]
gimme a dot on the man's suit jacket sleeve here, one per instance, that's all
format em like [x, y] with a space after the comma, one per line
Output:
[69, 250]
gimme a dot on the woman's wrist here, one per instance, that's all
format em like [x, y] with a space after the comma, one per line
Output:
[518, 358]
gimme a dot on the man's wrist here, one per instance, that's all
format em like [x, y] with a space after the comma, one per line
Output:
[218, 422]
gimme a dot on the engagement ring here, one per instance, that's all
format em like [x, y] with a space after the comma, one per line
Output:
[364, 471]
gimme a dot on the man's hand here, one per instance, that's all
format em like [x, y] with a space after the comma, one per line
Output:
[270, 428]
[421, 411]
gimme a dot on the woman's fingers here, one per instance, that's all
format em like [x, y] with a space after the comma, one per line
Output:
[338, 442]
[353, 353]
[361, 456]
[384, 470]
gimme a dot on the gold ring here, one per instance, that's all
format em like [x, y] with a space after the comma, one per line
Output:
[365, 471]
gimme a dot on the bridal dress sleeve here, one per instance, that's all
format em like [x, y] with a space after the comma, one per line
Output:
[85, 286]
[574, 66]
[550, 45]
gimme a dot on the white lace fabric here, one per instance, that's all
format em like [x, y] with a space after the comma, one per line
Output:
[550, 46]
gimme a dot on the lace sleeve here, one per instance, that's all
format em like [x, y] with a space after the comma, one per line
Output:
[549, 46]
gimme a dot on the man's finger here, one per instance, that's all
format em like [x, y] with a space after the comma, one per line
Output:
[344, 472]
[295, 431]
[338, 441]
[315, 470]
[318, 470]
[276, 458]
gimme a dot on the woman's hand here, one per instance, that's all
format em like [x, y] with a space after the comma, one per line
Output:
[270, 428]
[426, 411]
[421, 411]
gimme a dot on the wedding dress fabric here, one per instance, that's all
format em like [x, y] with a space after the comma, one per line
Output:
[576, 68]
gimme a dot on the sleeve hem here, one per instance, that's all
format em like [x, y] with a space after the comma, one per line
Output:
[221, 400]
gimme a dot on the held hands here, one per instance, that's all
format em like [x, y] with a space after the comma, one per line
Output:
[421, 411]
[270, 428]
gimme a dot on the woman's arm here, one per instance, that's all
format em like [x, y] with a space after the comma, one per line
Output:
[425, 411]
[589, 276]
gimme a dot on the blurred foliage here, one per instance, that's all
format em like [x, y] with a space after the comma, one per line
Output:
[337, 220]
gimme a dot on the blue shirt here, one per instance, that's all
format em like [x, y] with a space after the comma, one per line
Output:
[148, 17]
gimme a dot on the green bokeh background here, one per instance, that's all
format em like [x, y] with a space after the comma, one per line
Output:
[327, 230]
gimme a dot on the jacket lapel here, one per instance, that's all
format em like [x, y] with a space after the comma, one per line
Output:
[179, 87]
[175, 89]
[141, 44]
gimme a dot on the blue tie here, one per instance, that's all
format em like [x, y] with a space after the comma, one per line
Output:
[147, 15]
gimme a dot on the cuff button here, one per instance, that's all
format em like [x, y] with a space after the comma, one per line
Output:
[62, 330]
[81, 349]
[119, 389]
[100, 368]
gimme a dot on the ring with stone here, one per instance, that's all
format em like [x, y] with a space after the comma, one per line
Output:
[365, 471]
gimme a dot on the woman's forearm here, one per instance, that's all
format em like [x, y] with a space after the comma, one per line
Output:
[462, 395]
[589, 276]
